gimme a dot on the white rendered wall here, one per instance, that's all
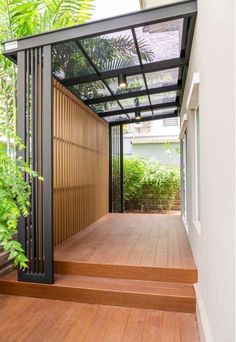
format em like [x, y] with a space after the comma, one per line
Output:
[213, 56]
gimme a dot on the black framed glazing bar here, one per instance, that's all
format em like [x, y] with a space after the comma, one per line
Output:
[141, 108]
[128, 71]
[141, 65]
[148, 118]
[137, 93]
[35, 128]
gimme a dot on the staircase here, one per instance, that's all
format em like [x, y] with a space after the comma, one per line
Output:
[117, 285]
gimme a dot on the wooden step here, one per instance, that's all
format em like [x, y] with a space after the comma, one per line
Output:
[6, 268]
[177, 275]
[4, 258]
[107, 291]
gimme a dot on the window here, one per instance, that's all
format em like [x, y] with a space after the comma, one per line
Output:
[197, 166]
[171, 122]
[185, 177]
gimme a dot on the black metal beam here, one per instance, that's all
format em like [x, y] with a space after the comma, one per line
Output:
[141, 65]
[137, 93]
[128, 71]
[149, 118]
[127, 21]
[142, 108]
[189, 41]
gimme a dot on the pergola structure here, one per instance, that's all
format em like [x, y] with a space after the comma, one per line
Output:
[127, 69]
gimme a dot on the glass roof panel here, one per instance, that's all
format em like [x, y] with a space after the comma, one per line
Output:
[164, 111]
[169, 96]
[105, 106]
[146, 113]
[162, 78]
[115, 118]
[134, 83]
[162, 39]
[114, 50]
[90, 90]
[132, 115]
[135, 102]
[68, 61]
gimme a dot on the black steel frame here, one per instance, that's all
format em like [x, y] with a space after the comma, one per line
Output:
[34, 58]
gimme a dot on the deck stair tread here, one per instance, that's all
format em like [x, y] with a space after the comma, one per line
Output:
[117, 292]
[147, 273]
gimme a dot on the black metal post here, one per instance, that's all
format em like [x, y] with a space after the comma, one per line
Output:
[21, 130]
[48, 164]
[110, 169]
[121, 171]
[35, 124]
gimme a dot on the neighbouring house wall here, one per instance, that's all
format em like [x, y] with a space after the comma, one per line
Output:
[80, 165]
[213, 241]
[157, 152]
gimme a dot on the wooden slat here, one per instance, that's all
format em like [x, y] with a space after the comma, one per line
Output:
[80, 165]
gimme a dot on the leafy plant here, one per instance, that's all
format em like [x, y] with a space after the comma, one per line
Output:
[150, 185]
[15, 202]
[134, 170]
[160, 186]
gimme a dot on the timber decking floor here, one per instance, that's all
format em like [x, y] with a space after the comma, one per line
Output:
[42, 320]
[131, 239]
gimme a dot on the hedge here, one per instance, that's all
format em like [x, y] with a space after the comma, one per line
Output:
[150, 185]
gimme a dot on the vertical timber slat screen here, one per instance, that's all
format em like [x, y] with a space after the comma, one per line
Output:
[35, 128]
[80, 165]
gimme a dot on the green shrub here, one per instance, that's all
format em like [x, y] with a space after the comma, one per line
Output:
[14, 202]
[160, 186]
[134, 170]
[150, 185]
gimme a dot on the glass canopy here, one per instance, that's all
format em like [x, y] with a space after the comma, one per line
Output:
[137, 68]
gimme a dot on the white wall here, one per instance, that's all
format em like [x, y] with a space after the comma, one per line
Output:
[156, 3]
[213, 56]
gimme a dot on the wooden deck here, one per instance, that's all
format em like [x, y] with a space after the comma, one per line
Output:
[132, 261]
[155, 247]
[42, 320]
[131, 239]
